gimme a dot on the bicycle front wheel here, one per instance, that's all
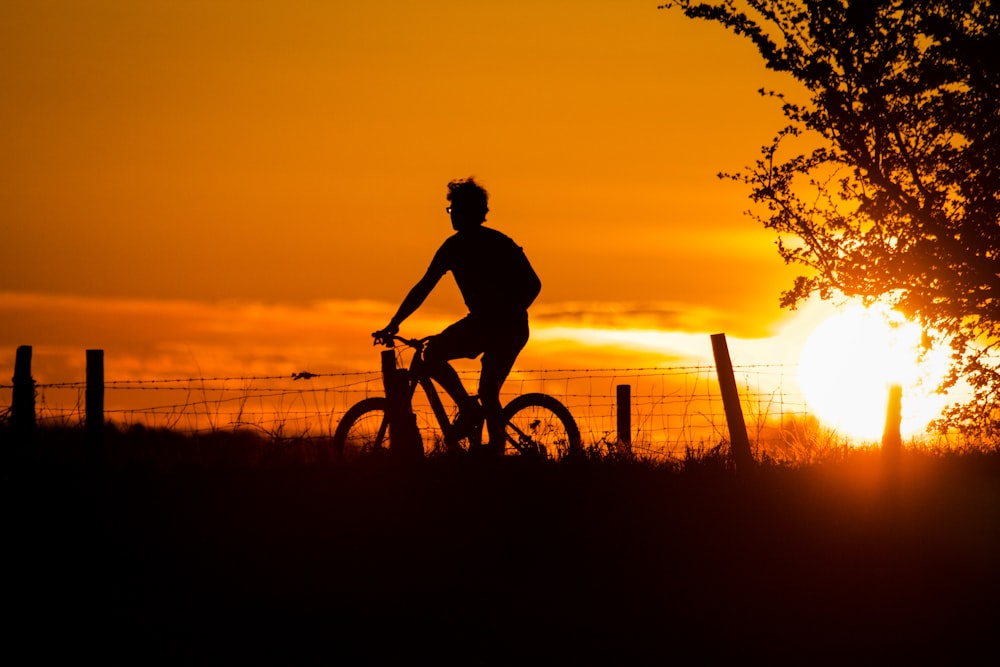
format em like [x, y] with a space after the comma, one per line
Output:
[362, 431]
[539, 425]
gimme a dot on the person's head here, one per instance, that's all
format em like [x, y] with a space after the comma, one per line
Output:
[469, 203]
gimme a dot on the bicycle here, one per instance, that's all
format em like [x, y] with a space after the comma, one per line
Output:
[538, 424]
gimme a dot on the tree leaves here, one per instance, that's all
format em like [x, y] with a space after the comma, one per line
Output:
[901, 201]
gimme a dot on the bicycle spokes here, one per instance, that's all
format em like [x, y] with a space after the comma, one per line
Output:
[523, 440]
[539, 425]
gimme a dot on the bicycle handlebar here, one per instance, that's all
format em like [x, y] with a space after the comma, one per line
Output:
[388, 340]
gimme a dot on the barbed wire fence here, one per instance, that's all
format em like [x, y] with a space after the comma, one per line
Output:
[673, 409]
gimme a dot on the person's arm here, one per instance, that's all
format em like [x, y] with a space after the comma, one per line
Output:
[417, 294]
[413, 300]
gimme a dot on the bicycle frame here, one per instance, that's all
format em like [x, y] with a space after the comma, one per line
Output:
[417, 376]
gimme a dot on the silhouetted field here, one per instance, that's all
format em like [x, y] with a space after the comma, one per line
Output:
[206, 554]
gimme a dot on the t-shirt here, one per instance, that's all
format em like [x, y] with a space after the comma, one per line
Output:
[492, 272]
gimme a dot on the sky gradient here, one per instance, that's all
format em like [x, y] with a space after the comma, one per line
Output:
[185, 164]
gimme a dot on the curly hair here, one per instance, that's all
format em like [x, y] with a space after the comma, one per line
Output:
[469, 195]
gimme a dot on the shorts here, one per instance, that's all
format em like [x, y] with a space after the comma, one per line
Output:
[499, 341]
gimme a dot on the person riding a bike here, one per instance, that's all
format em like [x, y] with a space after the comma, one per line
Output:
[498, 284]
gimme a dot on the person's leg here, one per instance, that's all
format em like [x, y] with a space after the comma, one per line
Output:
[457, 341]
[498, 360]
[445, 375]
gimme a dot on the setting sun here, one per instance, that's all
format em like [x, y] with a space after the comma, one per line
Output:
[850, 360]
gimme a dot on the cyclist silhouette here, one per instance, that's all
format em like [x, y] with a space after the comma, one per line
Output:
[497, 284]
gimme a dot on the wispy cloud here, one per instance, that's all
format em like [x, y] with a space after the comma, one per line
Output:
[663, 316]
[144, 338]
[158, 338]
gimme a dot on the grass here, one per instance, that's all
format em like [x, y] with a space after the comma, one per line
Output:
[230, 546]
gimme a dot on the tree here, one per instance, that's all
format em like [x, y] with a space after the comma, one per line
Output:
[898, 199]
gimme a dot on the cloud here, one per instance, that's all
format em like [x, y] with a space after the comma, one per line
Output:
[172, 338]
[148, 338]
[641, 315]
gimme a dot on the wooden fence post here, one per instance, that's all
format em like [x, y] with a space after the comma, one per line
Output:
[94, 406]
[738, 439]
[404, 437]
[624, 409]
[892, 439]
[22, 409]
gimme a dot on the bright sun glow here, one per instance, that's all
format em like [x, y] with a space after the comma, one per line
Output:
[850, 360]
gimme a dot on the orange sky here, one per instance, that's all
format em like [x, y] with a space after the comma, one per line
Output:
[186, 163]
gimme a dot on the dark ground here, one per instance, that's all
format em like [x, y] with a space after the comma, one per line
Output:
[462, 562]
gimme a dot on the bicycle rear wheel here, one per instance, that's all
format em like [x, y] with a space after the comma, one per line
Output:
[362, 431]
[539, 425]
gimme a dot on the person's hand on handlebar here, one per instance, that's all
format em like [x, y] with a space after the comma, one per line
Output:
[384, 336]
